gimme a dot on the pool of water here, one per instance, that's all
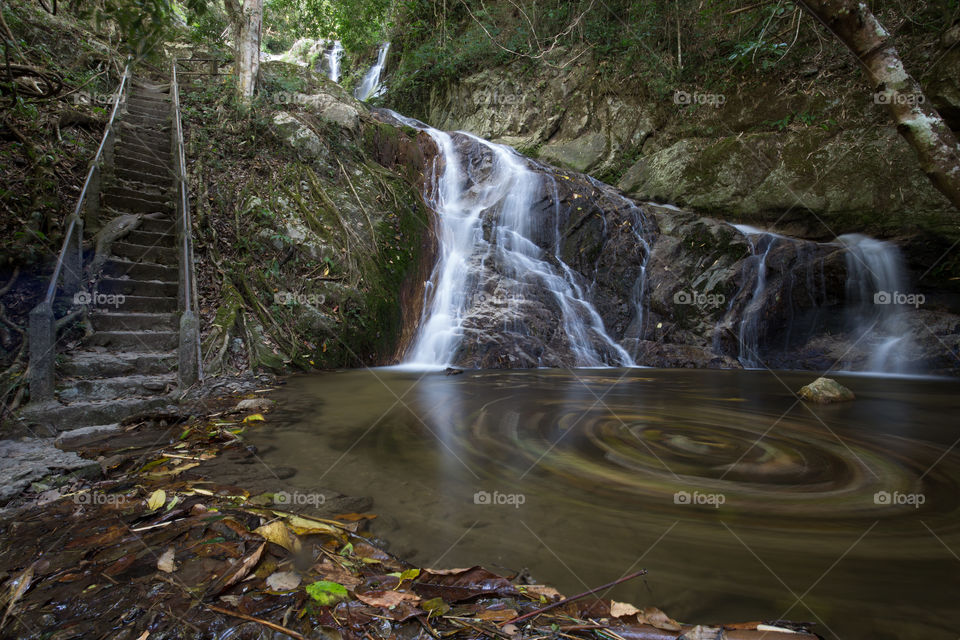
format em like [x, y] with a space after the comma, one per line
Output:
[742, 502]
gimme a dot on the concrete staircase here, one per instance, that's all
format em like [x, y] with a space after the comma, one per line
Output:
[128, 365]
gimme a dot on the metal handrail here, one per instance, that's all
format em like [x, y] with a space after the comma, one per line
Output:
[42, 326]
[190, 361]
[94, 166]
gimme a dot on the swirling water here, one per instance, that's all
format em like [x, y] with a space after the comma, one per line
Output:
[742, 502]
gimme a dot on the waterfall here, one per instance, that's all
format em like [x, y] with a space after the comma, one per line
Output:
[370, 86]
[334, 55]
[484, 277]
[748, 335]
[876, 302]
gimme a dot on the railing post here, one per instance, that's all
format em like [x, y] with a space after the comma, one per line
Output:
[42, 334]
[73, 261]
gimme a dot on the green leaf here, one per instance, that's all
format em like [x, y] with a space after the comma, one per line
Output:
[327, 593]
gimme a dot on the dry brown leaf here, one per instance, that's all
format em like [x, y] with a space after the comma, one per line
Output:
[542, 590]
[333, 572]
[388, 598]
[622, 609]
[658, 619]
[283, 581]
[166, 561]
[242, 569]
[499, 615]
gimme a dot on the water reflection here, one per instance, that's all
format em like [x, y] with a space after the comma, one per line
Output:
[737, 498]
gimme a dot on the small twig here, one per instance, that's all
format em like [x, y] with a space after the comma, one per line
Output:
[266, 623]
[576, 597]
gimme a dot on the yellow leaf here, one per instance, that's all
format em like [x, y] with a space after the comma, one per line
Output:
[278, 533]
[256, 417]
[157, 499]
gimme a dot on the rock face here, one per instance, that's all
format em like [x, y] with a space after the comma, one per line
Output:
[825, 391]
[671, 287]
[759, 155]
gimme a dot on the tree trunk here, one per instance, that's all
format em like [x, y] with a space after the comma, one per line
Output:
[854, 24]
[246, 17]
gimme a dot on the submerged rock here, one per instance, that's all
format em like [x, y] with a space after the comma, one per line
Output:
[826, 391]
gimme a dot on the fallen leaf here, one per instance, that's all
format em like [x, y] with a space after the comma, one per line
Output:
[658, 619]
[157, 499]
[175, 471]
[165, 562]
[278, 533]
[242, 569]
[353, 517]
[542, 590]
[326, 592]
[622, 609]
[255, 417]
[332, 571]
[498, 615]
[283, 581]
[435, 606]
[18, 586]
[464, 585]
[388, 598]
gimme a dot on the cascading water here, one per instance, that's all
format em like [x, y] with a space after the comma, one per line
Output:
[876, 297]
[334, 55]
[370, 86]
[749, 331]
[474, 183]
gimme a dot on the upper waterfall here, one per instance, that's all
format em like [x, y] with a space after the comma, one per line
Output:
[370, 86]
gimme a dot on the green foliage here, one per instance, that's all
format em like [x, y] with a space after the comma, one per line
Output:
[144, 25]
[357, 23]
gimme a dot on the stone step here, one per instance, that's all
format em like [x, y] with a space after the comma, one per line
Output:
[133, 204]
[145, 253]
[151, 238]
[153, 164]
[63, 417]
[117, 268]
[153, 225]
[143, 288]
[159, 126]
[136, 340]
[103, 364]
[144, 136]
[98, 389]
[134, 177]
[137, 104]
[158, 155]
[122, 321]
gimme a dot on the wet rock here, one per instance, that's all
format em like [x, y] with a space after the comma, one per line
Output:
[826, 391]
[25, 461]
[254, 404]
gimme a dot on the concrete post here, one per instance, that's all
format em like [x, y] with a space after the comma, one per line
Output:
[42, 333]
[188, 368]
[73, 261]
[91, 206]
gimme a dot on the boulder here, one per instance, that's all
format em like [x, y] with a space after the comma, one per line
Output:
[826, 391]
